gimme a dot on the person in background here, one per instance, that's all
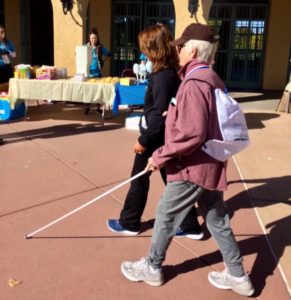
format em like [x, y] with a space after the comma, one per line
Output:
[7, 52]
[143, 58]
[99, 55]
[192, 174]
[163, 85]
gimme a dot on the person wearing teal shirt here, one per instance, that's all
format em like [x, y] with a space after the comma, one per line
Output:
[7, 51]
[99, 54]
[143, 58]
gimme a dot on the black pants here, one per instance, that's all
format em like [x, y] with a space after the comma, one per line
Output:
[6, 72]
[136, 199]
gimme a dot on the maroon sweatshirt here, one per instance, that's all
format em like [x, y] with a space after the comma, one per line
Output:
[192, 120]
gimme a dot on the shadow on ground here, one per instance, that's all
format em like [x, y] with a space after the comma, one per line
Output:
[56, 131]
[71, 111]
[251, 244]
[255, 120]
[260, 270]
[252, 96]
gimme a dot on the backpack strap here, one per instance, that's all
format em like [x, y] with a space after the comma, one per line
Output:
[201, 66]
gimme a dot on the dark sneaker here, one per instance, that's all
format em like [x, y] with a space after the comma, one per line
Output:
[142, 271]
[194, 235]
[99, 110]
[115, 226]
[240, 285]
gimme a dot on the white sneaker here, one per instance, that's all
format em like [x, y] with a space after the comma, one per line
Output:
[141, 270]
[240, 285]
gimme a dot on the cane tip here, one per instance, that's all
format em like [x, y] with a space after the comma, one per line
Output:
[27, 237]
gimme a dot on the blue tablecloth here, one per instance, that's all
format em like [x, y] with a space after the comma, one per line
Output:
[129, 95]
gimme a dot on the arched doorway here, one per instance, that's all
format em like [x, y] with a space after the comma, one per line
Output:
[2, 12]
[41, 32]
[129, 17]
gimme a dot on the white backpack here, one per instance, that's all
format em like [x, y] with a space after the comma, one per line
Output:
[232, 126]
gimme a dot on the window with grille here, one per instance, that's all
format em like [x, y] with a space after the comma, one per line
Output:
[242, 29]
[129, 18]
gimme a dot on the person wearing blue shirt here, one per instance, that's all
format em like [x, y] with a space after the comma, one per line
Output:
[7, 51]
[143, 58]
[99, 54]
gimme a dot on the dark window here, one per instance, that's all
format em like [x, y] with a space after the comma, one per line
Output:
[242, 29]
[129, 18]
[2, 20]
[41, 32]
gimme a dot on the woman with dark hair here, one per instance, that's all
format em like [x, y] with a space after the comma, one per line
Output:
[7, 51]
[163, 85]
[99, 53]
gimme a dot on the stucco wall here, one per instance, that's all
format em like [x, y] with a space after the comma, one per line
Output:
[70, 30]
[278, 45]
[183, 17]
[68, 33]
[100, 16]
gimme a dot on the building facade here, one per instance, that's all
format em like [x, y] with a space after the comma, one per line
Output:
[255, 35]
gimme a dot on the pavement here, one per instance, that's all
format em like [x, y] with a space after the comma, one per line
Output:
[57, 159]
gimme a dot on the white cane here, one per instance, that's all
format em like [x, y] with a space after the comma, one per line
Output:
[86, 204]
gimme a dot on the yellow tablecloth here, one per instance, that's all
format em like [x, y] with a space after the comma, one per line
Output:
[61, 90]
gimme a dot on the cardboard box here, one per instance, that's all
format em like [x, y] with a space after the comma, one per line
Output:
[284, 104]
[127, 81]
[83, 59]
[132, 121]
[79, 77]
[7, 113]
